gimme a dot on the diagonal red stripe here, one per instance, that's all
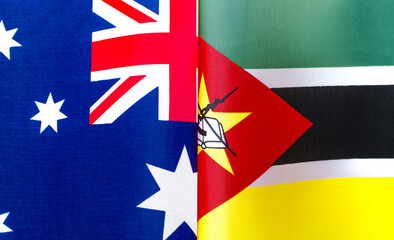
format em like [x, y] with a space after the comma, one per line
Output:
[113, 97]
[178, 48]
[129, 11]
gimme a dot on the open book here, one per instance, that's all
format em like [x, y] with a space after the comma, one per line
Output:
[178, 119]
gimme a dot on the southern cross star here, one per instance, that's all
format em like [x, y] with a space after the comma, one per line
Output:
[3, 227]
[6, 41]
[177, 195]
[49, 113]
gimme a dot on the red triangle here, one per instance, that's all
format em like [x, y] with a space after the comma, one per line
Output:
[259, 140]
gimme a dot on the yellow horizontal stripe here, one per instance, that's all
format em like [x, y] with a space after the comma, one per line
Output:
[328, 209]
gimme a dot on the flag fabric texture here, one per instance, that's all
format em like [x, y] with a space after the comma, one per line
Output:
[97, 135]
[332, 62]
[102, 122]
[258, 127]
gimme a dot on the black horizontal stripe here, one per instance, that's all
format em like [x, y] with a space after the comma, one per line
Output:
[348, 122]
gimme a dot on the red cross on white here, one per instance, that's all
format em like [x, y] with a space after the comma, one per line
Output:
[146, 51]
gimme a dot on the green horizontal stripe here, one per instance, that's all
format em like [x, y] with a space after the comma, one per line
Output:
[300, 33]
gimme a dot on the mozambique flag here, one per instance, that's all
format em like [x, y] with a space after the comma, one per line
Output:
[331, 63]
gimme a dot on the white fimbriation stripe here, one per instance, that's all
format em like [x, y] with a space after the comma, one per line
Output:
[197, 19]
[156, 76]
[125, 26]
[196, 107]
[343, 168]
[321, 77]
[142, 9]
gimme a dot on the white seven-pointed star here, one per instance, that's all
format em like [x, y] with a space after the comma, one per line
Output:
[49, 113]
[6, 41]
[177, 195]
[3, 227]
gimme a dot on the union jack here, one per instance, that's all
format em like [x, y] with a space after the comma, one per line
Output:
[146, 51]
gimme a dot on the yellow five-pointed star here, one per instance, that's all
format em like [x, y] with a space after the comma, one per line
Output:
[227, 119]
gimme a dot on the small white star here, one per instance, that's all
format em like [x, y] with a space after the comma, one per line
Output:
[177, 195]
[49, 113]
[6, 41]
[3, 227]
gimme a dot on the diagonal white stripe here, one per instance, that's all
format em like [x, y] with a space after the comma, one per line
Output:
[315, 77]
[155, 76]
[142, 9]
[343, 168]
[125, 26]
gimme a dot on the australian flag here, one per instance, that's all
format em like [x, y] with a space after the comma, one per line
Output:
[98, 119]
